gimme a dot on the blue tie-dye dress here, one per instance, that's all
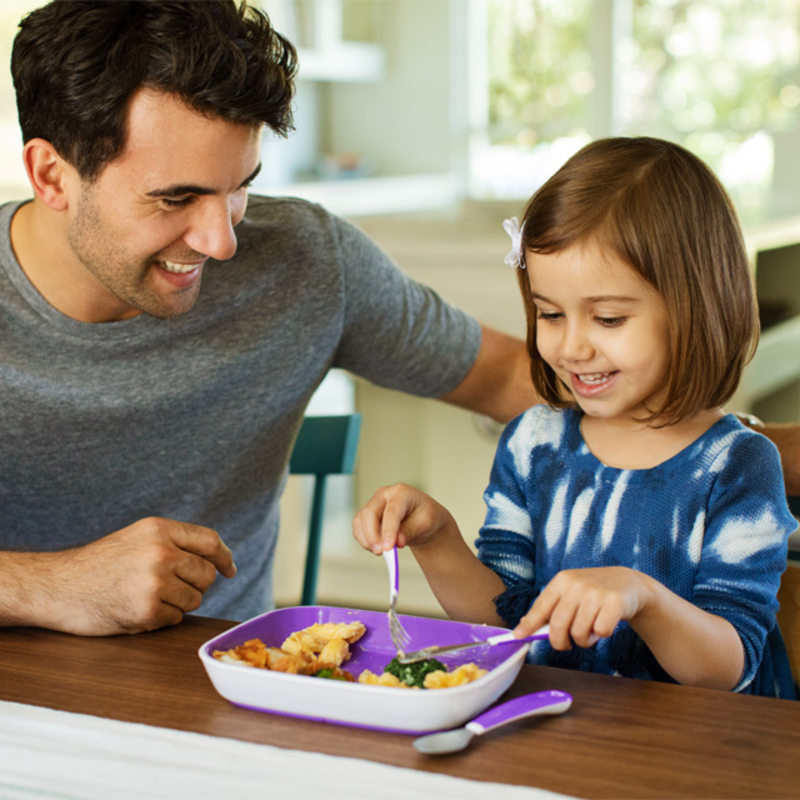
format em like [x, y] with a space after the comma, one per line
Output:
[711, 524]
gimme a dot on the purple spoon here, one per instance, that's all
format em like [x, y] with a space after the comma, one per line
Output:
[549, 702]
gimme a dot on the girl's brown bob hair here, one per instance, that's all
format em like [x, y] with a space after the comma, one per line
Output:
[662, 211]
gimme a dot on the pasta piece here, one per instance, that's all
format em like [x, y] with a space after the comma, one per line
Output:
[385, 679]
[466, 673]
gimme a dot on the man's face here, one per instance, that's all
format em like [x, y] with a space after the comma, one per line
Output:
[142, 232]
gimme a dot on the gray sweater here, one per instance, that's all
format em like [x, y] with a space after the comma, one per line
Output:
[193, 418]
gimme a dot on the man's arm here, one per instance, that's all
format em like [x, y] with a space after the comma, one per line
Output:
[139, 578]
[499, 382]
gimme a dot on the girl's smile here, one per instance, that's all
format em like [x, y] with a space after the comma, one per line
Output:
[590, 384]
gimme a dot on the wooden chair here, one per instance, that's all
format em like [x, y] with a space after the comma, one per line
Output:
[325, 446]
[794, 541]
[789, 616]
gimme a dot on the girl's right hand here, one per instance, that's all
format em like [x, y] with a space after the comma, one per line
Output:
[397, 516]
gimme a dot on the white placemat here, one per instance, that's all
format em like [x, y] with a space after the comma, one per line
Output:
[55, 754]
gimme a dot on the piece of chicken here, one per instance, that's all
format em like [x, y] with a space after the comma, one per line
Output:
[331, 638]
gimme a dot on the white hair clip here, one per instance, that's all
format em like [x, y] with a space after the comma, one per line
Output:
[515, 258]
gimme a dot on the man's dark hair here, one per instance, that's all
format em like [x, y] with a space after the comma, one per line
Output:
[76, 64]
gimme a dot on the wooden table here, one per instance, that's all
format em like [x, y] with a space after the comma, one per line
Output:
[621, 738]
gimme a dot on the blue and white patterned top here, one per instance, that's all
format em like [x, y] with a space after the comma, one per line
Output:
[711, 524]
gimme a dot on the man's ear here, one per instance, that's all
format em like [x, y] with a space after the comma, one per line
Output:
[48, 173]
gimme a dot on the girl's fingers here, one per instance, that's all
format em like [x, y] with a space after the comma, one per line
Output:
[608, 618]
[583, 625]
[583, 606]
[557, 606]
[359, 535]
[395, 513]
[538, 615]
[367, 525]
[410, 517]
[561, 621]
[396, 516]
[377, 527]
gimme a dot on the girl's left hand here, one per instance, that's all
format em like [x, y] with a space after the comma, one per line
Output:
[585, 605]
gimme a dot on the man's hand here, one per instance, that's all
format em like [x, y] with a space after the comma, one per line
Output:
[139, 578]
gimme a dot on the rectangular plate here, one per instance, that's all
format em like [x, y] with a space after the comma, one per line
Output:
[383, 708]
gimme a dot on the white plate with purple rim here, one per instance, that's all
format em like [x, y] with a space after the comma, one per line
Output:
[412, 711]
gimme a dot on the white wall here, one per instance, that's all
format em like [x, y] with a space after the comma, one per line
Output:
[404, 121]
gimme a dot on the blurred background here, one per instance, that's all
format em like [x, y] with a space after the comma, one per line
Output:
[427, 122]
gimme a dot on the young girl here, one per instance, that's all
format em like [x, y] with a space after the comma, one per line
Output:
[647, 527]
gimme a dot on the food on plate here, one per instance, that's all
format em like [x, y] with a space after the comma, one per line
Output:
[414, 674]
[466, 673]
[254, 653]
[333, 674]
[428, 674]
[321, 649]
[385, 679]
[328, 640]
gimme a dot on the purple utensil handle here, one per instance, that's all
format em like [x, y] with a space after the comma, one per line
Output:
[548, 702]
[390, 557]
[503, 638]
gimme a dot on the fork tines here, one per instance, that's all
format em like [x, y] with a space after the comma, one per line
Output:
[400, 637]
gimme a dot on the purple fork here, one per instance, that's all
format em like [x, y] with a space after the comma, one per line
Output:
[501, 638]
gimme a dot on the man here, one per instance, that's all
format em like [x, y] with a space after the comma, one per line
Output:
[159, 339]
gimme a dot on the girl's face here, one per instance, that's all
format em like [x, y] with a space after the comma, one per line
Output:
[602, 328]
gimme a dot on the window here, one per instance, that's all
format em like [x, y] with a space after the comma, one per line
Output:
[721, 77]
[535, 108]
[13, 181]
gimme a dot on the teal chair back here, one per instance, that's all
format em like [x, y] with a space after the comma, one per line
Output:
[325, 446]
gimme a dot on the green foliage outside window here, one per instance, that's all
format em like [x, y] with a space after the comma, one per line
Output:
[721, 77]
[540, 69]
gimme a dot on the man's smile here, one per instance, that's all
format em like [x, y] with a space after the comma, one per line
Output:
[180, 275]
[178, 268]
